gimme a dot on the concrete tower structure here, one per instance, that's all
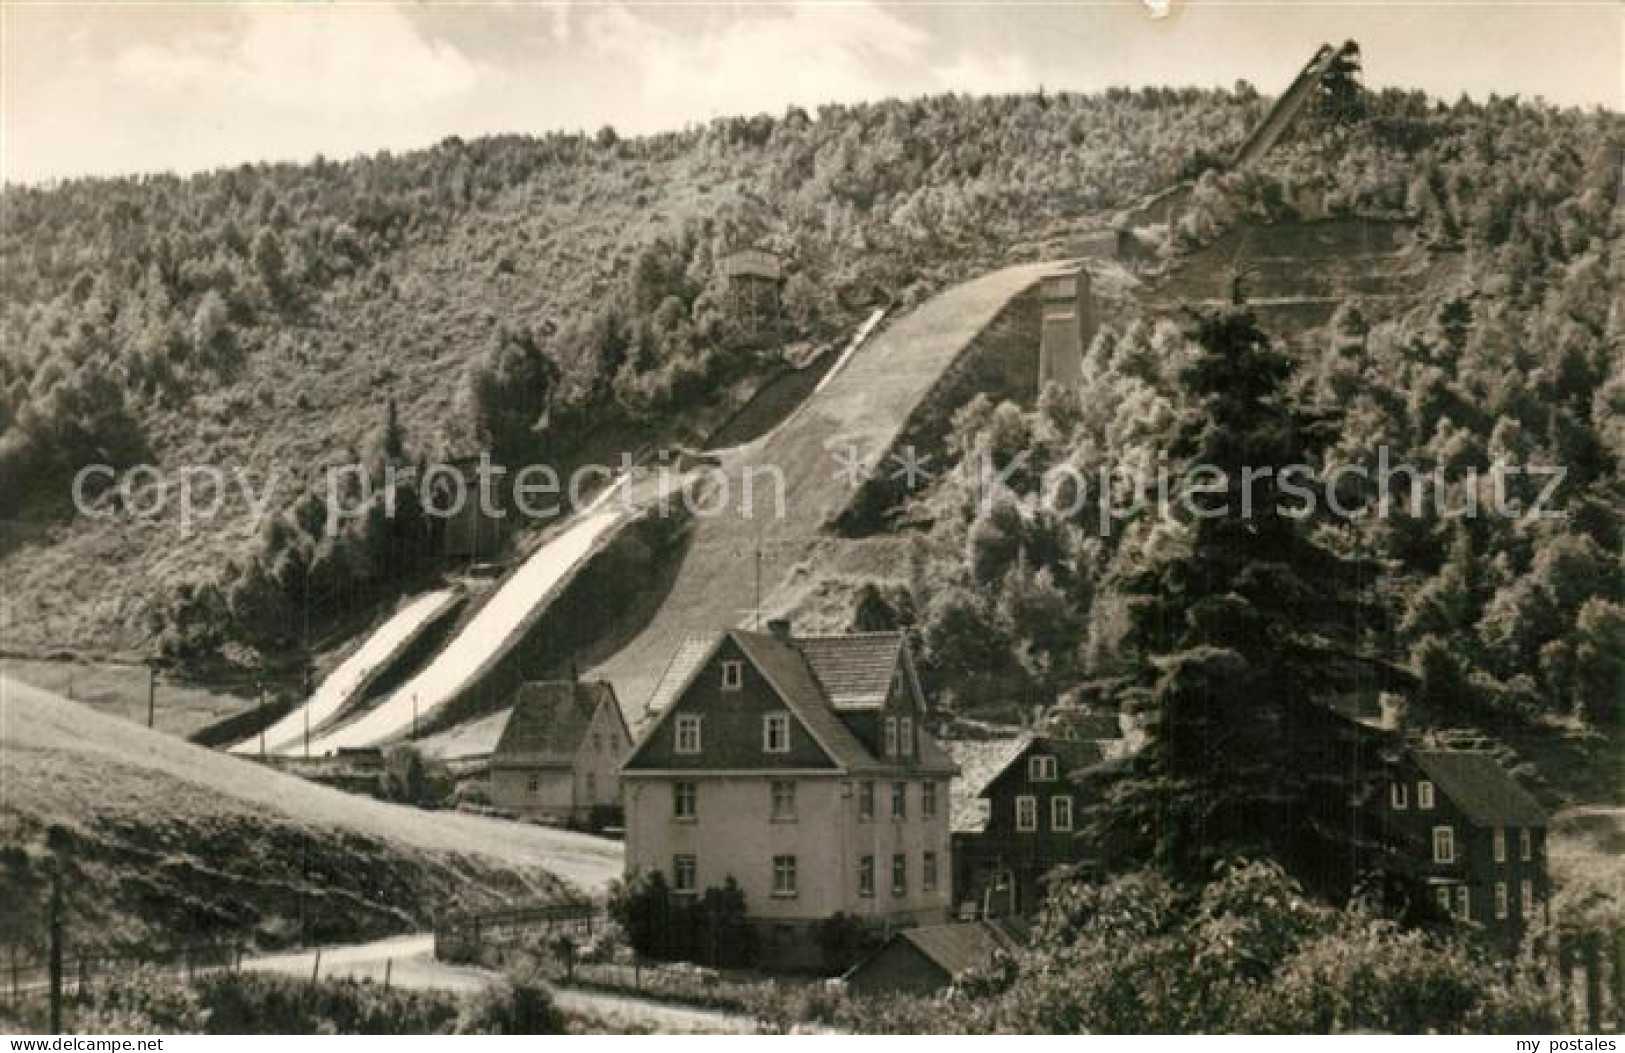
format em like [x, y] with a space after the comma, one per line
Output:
[1069, 323]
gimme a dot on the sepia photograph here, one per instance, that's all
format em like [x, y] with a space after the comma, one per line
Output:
[812, 517]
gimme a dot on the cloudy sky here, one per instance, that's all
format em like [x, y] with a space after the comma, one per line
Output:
[141, 86]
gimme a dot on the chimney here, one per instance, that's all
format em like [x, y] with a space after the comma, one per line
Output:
[779, 627]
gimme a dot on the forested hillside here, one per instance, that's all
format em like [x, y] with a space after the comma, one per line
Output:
[554, 297]
[1516, 359]
[521, 293]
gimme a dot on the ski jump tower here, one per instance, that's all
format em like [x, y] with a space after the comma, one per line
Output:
[1068, 323]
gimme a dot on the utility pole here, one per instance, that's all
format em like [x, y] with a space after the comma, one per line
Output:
[152, 688]
[55, 957]
[259, 692]
[758, 616]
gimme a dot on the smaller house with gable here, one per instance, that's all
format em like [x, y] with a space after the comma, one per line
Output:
[1026, 820]
[559, 756]
[1479, 837]
[926, 959]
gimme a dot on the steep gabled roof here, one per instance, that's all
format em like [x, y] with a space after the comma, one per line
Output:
[954, 948]
[856, 669]
[1073, 755]
[783, 663]
[692, 653]
[549, 720]
[1480, 787]
[980, 761]
[784, 666]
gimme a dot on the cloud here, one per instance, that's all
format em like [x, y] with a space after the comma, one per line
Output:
[360, 60]
[762, 58]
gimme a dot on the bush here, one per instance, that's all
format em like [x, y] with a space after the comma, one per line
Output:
[661, 925]
[1249, 952]
[518, 1005]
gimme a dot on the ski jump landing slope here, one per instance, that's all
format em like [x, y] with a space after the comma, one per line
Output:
[861, 410]
[353, 675]
[495, 628]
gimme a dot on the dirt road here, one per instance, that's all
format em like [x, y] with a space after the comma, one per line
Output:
[408, 961]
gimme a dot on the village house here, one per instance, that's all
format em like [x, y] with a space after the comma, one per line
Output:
[924, 960]
[800, 767]
[1027, 820]
[558, 759]
[1480, 837]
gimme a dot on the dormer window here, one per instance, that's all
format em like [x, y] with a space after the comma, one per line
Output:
[688, 733]
[1399, 796]
[906, 736]
[733, 676]
[1041, 769]
[1424, 796]
[891, 736]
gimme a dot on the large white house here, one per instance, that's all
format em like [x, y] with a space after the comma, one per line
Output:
[801, 768]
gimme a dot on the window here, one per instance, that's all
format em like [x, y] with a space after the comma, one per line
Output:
[866, 801]
[1444, 844]
[533, 783]
[1500, 901]
[688, 734]
[597, 743]
[784, 801]
[1041, 769]
[592, 787]
[1424, 796]
[683, 871]
[1464, 909]
[1398, 797]
[891, 736]
[928, 800]
[928, 875]
[1060, 812]
[866, 876]
[1500, 843]
[784, 875]
[1442, 894]
[905, 732]
[1526, 896]
[1526, 845]
[899, 875]
[776, 733]
[733, 676]
[899, 800]
[684, 800]
[1026, 813]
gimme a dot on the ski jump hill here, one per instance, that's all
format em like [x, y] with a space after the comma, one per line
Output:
[742, 562]
[857, 411]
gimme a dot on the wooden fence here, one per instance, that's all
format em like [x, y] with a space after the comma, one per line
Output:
[461, 937]
[28, 980]
[1590, 980]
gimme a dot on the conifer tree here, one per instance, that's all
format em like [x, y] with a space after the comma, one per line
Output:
[1244, 633]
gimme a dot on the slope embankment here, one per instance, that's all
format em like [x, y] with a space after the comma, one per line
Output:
[180, 842]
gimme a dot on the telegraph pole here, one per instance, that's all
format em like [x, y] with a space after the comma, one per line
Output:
[152, 689]
[260, 713]
[55, 959]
